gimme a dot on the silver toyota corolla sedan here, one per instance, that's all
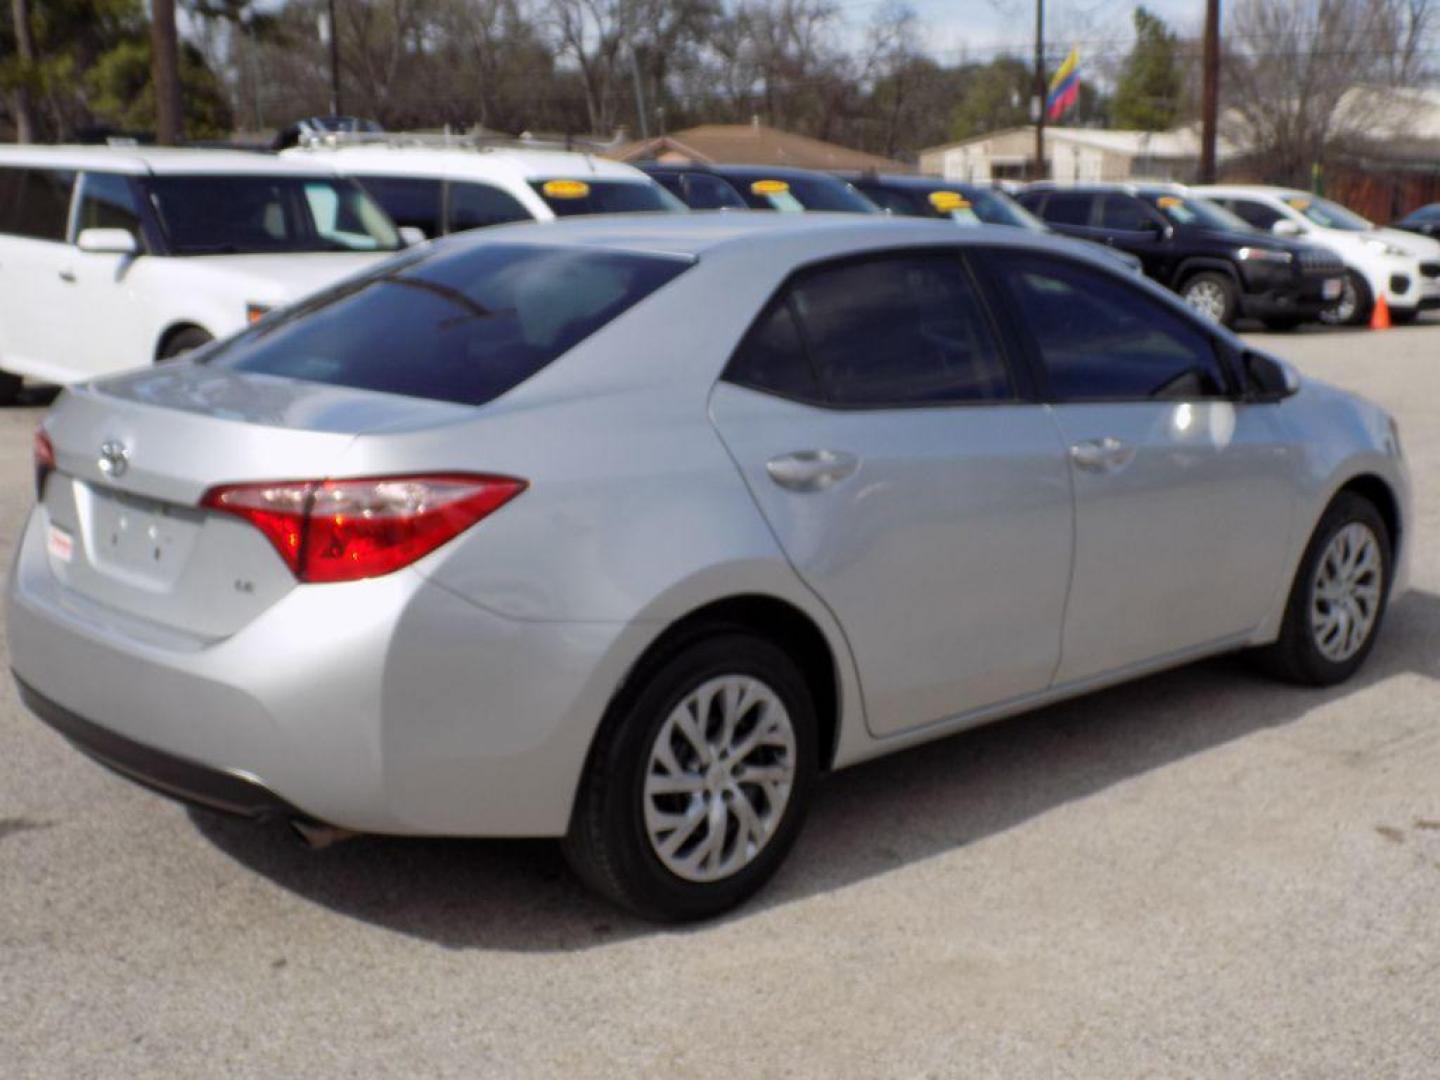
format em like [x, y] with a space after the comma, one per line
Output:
[625, 531]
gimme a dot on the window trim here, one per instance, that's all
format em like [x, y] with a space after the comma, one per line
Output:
[150, 235]
[988, 257]
[1016, 365]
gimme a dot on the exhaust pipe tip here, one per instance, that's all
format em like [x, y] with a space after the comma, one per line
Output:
[318, 837]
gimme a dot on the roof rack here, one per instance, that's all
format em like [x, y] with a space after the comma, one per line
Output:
[446, 140]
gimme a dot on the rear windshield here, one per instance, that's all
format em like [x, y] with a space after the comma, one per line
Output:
[454, 325]
[797, 193]
[568, 198]
[242, 215]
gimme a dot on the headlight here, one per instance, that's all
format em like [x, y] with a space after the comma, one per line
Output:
[1267, 255]
[1384, 248]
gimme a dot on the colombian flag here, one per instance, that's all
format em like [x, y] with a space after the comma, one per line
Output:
[1064, 87]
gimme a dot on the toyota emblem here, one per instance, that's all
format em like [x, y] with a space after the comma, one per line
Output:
[114, 458]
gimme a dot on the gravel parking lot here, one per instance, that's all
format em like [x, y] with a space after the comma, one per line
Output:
[1202, 874]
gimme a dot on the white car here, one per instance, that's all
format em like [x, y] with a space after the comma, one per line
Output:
[447, 189]
[1400, 266]
[116, 257]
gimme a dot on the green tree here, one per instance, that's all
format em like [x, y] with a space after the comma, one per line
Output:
[993, 96]
[1147, 97]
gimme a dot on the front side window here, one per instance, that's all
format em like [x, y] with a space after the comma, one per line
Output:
[35, 202]
[899, 329]
[1255, 214]
[475, 206]
[1067, 208]
[1100, 338]
[234, 215]
[108, 201]
[897, 202]
[462, 325]
[569, 198]
[1125, 214]
[711, 193]
[411, 202]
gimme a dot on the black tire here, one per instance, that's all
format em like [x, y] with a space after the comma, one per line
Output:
[1213, 295]
[1353, 307]
[184, 341]
[1403, 316]
[608, 844]
[1283, 325]
[10, 387]
[1296, 655]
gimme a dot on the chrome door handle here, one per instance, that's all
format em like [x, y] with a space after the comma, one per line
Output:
[67, 274]
[811, 470]
[1107, 454]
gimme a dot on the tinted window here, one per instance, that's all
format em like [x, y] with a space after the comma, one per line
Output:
[107, 201]
[901, 328]
[1200, 212]
[897, 202]
[1100, 337]
[797, 193]
[710, 193]
[605, 197]
[1063, 208]
[36, 202]
[409, 202]
[772, 357]
[227, 215]
[1255, 214]
[460, 325]
[1124, 214]
[473, 206]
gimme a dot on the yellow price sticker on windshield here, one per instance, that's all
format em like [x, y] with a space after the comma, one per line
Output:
[1299, 202]
[948, 201]
[565, 189]
[1165, 202]
[769, 187]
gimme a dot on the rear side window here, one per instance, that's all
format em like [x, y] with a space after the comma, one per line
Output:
[108, 201]
[1100, 338]
[1065, 208]
[772, 357]
[452, 325]
[900, 328]
[409, 201]
[35, 202]
[1255, 214]
[474, 206]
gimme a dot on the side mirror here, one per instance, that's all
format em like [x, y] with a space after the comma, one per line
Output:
[410, 235]
[1286, 227]
[1268, 379]
[107, 242]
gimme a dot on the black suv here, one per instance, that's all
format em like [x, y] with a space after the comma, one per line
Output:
[757, 187]
[1217, 263]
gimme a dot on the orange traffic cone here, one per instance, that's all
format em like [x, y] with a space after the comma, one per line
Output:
[1380, 314]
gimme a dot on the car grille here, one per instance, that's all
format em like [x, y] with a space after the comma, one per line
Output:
[1320, 261]
[1430, 269]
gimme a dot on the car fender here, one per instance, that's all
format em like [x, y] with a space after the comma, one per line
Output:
[1198, 263]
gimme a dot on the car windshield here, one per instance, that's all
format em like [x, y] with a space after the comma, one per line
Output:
[570, 197]
[1201, 212]
[461, 324]
[794, 194]
[1327, 214]
[243, 215]
[982, 206]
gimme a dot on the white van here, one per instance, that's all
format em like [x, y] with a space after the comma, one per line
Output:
[115, 257]
[1402, 267]
[448, 189]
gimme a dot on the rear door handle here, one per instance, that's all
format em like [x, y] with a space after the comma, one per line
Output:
[1107, 454]
[67, 274]
[811, 470]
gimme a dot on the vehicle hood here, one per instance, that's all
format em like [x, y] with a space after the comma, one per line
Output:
[1422, 247]
[280, 279]
[1247, 238]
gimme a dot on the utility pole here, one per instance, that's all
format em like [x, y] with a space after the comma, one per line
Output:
[1210, 100]
[165, 73]
[1039, 172]
[334, 63]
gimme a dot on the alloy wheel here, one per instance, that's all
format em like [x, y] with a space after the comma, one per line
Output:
[1346, 592]
[1343, 310]
[1208, 298]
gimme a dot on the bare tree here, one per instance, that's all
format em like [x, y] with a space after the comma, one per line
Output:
[25, 51]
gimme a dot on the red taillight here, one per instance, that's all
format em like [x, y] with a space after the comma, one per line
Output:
[44, 454]
[345, 530]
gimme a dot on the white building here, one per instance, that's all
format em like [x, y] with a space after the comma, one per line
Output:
[1072, 154]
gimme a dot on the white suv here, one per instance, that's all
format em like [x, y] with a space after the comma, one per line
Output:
[449, 189]
[1402, 267]
[115, 257]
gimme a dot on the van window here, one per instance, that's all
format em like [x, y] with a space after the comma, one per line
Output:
[107, 201]
[474, 206]
[35, 202]
[410, 202]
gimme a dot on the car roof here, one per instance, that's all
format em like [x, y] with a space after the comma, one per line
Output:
[915, 183]
[160, 160]
[1125, 188]
[493, 163]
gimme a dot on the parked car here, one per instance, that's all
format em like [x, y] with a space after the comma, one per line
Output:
[1425, 221]
[443, 190]
[962, 203]
[116, 257]
[759, 187]
[1218, 264]
[623, 531]
[1402, 267]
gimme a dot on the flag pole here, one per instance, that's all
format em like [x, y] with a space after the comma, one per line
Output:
[1039, 170]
